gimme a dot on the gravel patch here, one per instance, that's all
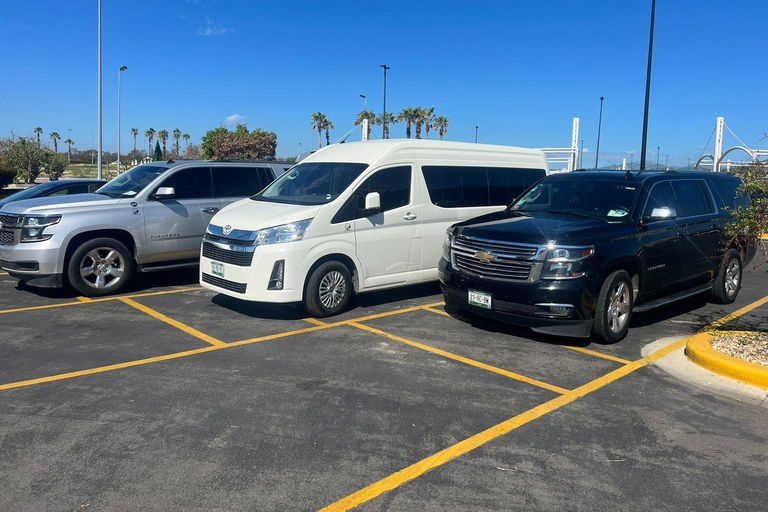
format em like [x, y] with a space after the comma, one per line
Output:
[752, 347]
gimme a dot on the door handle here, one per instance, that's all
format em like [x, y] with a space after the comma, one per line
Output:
[210, 209]
[409, 216]
[682, 233]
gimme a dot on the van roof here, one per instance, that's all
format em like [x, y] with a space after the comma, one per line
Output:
[372, 151]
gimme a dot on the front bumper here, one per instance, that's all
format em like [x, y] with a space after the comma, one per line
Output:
[524, 303]
[36, 263]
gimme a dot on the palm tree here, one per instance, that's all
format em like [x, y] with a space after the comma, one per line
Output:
[135, 133]
[69, 142]
[176, 137]
[55, 137]
[387, 119]
[428, 114]
[418, 121]
[441, 125]
[362, 116]
[38, 131]
[318, 123]
[186, 139]
[150, 134]
[408, 115]
[328, 126]
[162, 136]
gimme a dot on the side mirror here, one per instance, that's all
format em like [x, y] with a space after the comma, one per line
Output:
[372, 203]
[164, 193]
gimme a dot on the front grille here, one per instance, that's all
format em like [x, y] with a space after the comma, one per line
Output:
[496, 269]
[510, 250]
[501, 260]
[239, 258]
[6, 237]
[223, 283]
[11, 221]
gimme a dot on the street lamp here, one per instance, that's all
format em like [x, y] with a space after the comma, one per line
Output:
[658, 149]
[648, 88]
[581, 155]
[476, 127]
[599, 127]
[366, 101]
[98, 101]
[384, 114]
[666, 162]
[119, 76]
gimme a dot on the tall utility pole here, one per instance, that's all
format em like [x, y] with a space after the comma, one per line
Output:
[648, 88]
[599, 127]
[476, 128]
[384, 114]
[119, 76]
[658, 150]
[98, 156]
[366, 101]
[581, 155]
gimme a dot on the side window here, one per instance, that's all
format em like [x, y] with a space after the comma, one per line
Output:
[236, 181]
[393, 186]
[265, 176]
[93, 187]
[194, 183]
[457, 187]
[661, 197]
[728, 189]
[507, 184]
[690, 199]
[72, 189]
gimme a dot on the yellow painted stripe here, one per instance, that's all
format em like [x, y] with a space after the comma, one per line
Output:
[736, 314]
[598, 354]
[105, 299]
[170, 321]
[438, 311]
[415, 470]
[465, 360]
[388, 313]
[84, 299]
[3, 273]
[314, 321]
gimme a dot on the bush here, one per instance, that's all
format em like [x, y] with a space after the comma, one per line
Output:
[752, 221]
[26, 158]
[222, 144]
[7, 175]
[55, 166]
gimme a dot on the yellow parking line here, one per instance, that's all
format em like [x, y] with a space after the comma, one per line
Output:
[84, 299]
[314, 321]
[464, 360]
[439, 312]
[105, 299]
[598, 354]
[736, 314]
[170, 321]
[389, 313]
[3, 273]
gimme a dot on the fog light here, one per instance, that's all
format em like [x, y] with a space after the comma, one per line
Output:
[276, 279]
[559, 310]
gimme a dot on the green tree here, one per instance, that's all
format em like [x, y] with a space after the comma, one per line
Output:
[752, 220]
[208, 139]
[176, 137]
[38, 131]
[162, 136]
[26, 157]
[158, 154]
[55, 137]
[370, 116]
[318, 123]
[428, 116]
[441, 125]
[328, 126]
[408, 116]
[150, 135]
[240, 144]
[387, 119]
[69, 143]
[55, 165]
[186, 139]
[135, 133]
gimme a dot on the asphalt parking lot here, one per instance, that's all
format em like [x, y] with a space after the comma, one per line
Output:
[170, 397]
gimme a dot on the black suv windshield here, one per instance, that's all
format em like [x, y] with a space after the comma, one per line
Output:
[311, 183]
[610, 200]
[132, 182]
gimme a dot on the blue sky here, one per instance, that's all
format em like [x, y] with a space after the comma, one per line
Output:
[520, 70]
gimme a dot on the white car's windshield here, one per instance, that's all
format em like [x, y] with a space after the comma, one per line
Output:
[311, 183]
[132, 182]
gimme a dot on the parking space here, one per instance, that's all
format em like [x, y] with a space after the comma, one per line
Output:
[170, 397]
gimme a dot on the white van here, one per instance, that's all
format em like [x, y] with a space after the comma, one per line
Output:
[360, 217]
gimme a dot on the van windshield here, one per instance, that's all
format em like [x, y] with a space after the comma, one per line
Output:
[603, 199]
[132, 182]
[311, 183]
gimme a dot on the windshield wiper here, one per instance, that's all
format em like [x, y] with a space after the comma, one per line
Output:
[571, 212]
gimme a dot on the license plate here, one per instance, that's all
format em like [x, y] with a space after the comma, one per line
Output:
[479, 299]
[217, 268]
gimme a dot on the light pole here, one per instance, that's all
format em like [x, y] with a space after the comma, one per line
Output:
[119, 76]
[366, 101]
[599, 127]
[666, 162]
[631, 160]
[689, 165]
[658, 150]
[384, 113]
[476, 127]
[98, 101]
[648, 88]
[581, 155]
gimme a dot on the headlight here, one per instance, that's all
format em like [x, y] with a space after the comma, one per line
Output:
[282, 234]
[447, 245]
[566, 262]
[34, 225]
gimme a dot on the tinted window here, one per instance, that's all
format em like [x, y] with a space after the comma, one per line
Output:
[456, 187]
[690, 199]
[72, 189]
[729, 193]
[236, 181]
[393, 186]
[661, 197]
[192, 183]
[610, 200]
[507, 184]
[266, 176]
[132, 182]
[312, 183]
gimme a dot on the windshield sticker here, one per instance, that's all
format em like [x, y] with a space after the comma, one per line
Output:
[618, 213]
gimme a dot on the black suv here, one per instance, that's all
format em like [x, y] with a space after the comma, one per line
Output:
[579, 252]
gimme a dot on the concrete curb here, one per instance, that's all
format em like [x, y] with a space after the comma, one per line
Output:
[699, 350]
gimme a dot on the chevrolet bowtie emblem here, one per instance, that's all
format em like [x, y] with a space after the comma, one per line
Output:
[485, 256]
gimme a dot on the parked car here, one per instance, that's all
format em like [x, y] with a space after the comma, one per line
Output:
[54, 188]
[152, 217]
[359, 217]
[578, 253]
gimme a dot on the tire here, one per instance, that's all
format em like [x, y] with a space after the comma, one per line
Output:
[328, 290]
[99, 267]
[614, 308]
[728, 281]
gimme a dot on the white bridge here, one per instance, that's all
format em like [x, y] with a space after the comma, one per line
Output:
[716, 160]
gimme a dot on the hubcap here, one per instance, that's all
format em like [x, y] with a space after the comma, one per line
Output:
[102, 267]
[618, 308]
[732, 277]
[333, 288]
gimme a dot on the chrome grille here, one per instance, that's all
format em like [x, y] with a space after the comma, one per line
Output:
[239, 258]
[508, 250]
[497, 269]
[11, 221]
[223, 283]
[496, 260]
[6, 237]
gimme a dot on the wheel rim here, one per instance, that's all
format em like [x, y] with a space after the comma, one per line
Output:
[732, 277]
[102, 268]
[333, 289]
[618, 308]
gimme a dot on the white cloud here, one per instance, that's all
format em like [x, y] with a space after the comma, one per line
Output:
[234, 119]
[212, 28]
